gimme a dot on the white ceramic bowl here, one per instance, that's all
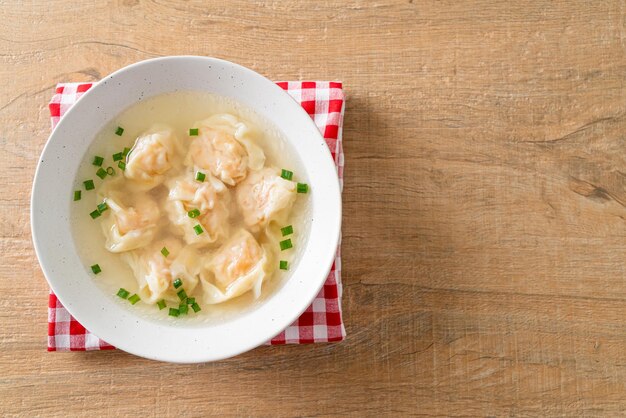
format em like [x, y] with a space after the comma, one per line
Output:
[55, 180]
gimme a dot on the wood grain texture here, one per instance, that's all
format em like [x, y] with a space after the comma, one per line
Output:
[485, 206]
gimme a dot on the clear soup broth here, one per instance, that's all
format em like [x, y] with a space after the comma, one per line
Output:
[198, 197]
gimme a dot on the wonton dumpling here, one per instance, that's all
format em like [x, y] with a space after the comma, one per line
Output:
[211, 198]
[242, 132]
[224, 148]
[155, 273]
[265, 196]
[237, 267]
[153, 154]
[130, 227]
[221, 154]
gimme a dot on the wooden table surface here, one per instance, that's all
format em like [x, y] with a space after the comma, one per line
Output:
[485, 206]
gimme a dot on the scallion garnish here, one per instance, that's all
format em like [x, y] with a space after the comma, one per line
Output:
[95, 214]
[302, 188]
[89, 185]
[177, 283]
[195, 307]
[126, 151]
[285, 245]
[76, 195]
[183, 309]
[198, 229]
[165, 252]
[122, 165]
[102, 207]
[96, 269]
[102, 173]
[200, 176]
[119, 131]
[110, 171]
[123, 293]
[98, 160]
[286, 174]
[173, 312]
[118, 156]
[193, 132]
[161, 304]
[182, 295]
[191, 301]
[134, 299]
[286, 230]
[284, 265]
[194, 213]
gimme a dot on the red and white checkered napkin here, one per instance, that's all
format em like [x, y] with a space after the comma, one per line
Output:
[321, 322]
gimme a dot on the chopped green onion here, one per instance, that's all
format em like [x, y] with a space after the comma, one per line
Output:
[193, 132]
[134, 299]
[95, 214]
[285, 245]
[102, 207]
[123, 293]
[165, 252]
[182, 295]
[191, 301]
[286, 174]
[76, 195]
[198, 229]
[98, 160]
[89, 185]
[126, 151]
[302, 188]
[161, 304]
[177, 283]
[200, 176]
[102, 173]
[118, 156]
[286, 230]
[183, 309]
[195, 307]
[122, 165]
[173, 312]
[119, 131]
[110, 171]
[284, 265]
[96, 269]
[193, 213]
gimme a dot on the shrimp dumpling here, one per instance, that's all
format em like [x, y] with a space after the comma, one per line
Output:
[155, 272]
[209, 198]
[153, 154]
[130, 227]
[237, 267]
[243, 132]
[220, 153]
[265, 196]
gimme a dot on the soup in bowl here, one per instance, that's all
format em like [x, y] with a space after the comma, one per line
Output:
[186, 209]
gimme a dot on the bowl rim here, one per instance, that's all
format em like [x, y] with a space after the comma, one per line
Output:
[333, 194]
